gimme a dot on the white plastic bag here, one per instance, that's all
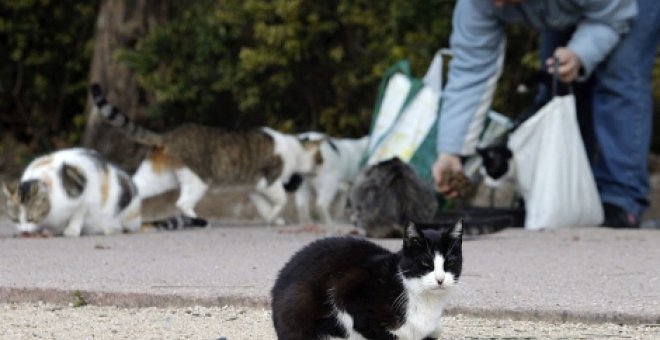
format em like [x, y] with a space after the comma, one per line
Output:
[412, 126]
[408, 113]
[552, 170]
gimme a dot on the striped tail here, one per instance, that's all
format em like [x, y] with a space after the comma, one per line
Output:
[120, 120]
[176, 222]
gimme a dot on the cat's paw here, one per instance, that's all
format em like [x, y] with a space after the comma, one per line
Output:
[279, 222]
[111, 231]
[72, 232]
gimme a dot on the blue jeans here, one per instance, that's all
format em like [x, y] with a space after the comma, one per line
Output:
[616, 110]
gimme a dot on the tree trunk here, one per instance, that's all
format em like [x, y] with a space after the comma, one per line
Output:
[120, 24]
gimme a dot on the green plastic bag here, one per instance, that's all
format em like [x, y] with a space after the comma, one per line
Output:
[405, 120]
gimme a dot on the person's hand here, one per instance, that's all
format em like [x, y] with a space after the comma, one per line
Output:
[569, 64]
[444, 164]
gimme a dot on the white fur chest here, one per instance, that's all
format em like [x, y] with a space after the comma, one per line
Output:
[423, 313]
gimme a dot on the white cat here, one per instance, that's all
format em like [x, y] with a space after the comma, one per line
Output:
[337, 166]
[71, 192]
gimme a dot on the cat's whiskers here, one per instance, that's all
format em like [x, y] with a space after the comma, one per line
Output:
[400, 301]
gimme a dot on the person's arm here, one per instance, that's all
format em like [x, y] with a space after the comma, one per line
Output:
[600, 30]
[477, 44]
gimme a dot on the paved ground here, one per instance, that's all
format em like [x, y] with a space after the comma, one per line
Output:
[583, 275]
[586, 274]
[48, 321]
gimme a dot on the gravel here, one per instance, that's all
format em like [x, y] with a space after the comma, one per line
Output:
[49, 321]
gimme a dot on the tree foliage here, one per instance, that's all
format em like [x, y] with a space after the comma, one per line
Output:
[291, 64]
[44, 59]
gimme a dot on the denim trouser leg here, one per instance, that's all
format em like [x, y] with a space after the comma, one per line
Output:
[623, 113]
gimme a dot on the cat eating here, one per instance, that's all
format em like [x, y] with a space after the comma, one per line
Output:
[386, 195]
[77, 191]
[192, 157]
[348, 287]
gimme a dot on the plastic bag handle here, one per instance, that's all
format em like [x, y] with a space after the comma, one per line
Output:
[555, 79]
[436, 67]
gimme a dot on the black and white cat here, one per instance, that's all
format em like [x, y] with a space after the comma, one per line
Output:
[338, 163]
[350, 288]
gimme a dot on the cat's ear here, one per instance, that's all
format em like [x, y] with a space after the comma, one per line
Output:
[481, 151]
[9, 189]
[412, 234]
[457, 230]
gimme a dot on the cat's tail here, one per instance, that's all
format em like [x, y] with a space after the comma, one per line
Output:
[115, 117]
[483, 220]
[175, 223]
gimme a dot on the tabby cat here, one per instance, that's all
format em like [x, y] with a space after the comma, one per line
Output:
[348, 287]
[386, 195]
[76, 191]
[193, 156]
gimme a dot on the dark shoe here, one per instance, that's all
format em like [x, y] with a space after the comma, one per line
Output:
[617, 217]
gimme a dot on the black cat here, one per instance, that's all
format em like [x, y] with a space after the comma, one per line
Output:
[346, 287]
[495, 159]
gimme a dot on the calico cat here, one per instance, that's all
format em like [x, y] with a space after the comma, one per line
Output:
[386, 195]
[192, 157]
[76, 191]
[338, 163]
[347, 287]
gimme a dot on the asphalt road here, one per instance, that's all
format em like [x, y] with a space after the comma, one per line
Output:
[590, 275]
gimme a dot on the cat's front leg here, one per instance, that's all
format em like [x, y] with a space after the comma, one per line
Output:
[270, 200]
[326, 192]
[74, 227]
[302, 203]
[192, 188]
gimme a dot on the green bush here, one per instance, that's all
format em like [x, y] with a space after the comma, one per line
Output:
[290, 64]
[45, 49]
